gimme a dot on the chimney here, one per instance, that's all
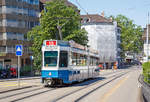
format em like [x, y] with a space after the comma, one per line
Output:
[102, 14]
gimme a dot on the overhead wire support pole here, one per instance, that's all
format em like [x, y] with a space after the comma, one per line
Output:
[59, 30]
[147, 55]
[60, 26]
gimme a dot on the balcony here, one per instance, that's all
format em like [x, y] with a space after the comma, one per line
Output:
[12, 50]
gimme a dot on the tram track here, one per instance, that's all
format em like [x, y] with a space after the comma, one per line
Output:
[21, 92]
[95, 81]
[85, 95]
[32, 95]
[25, 94]
[86, 87]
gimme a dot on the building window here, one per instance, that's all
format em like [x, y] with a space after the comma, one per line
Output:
[14, 23]
[118, 31]
[1, 36]
[31, 24]
[19, 0]
[0, 9]
[2, 48]
[15, 36]
[31, 2]
[86, 20]
[1, 23]
[118, 38]
[19, 11]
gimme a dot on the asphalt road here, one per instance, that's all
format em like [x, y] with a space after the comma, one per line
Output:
[111, 86]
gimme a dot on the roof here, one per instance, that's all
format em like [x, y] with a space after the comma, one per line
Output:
[66, 1]
[94, 18]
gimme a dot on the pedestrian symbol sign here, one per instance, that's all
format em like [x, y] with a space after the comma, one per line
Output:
[19, 49]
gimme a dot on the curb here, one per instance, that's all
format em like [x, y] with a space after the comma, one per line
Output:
[140, 95]
[15, 89]
[145, 87]
[4, 80]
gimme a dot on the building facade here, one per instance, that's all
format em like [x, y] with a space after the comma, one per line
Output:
[17, 17]
[146, 49]
[104, 36]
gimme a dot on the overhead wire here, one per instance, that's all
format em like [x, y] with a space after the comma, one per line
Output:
[81, 7]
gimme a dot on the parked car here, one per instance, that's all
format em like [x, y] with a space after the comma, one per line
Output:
[13, 72]
[4, 73]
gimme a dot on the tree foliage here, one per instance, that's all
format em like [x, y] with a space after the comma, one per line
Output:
[146, 71]
[56, 14]
[131, 35]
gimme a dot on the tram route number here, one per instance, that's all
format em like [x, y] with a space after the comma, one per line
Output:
[51, 43]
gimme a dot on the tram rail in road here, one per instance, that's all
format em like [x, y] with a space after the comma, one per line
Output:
[26, 94]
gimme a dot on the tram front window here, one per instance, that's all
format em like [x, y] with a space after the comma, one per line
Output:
[50, 58]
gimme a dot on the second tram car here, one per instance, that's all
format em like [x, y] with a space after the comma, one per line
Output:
[66, 61]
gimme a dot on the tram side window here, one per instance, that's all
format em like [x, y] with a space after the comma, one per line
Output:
[63, 61]
[93, 61]
[74, 58]
[79, 59]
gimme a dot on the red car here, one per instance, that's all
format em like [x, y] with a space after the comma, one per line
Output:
[13, 72]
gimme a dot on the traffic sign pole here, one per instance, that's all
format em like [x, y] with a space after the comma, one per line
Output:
[18, 71]
[19, 52]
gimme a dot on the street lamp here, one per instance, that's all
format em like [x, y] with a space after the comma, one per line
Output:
[147, 39]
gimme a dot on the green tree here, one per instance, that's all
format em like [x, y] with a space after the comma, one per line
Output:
[146, 71]
[56, 15]
[131, 35]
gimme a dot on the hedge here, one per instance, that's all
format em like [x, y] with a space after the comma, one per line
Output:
[146, 71]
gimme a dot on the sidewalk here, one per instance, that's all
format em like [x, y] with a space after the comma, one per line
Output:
[22, 78]
[7, 85]
[4, 90]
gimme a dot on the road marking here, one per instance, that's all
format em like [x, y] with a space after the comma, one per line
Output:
[3, 83]
[111, 91]
[8, 84]
[15, 85]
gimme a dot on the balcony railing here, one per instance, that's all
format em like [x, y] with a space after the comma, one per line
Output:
[13, 50]
[2, 49]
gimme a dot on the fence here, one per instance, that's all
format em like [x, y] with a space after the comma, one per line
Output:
[145, 89]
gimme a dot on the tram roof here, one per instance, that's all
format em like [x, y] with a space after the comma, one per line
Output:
[71, 43]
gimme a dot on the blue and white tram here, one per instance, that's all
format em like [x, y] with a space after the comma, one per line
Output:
[66, 62]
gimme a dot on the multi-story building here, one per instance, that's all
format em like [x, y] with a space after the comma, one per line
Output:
[17, 17]
[146, 49]
[104, 36]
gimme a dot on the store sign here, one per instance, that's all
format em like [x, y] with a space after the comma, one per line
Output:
[51, 43]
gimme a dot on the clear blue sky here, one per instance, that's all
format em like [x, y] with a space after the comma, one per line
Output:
[134, 9]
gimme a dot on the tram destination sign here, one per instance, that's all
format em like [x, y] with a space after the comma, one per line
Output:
[51, 43]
